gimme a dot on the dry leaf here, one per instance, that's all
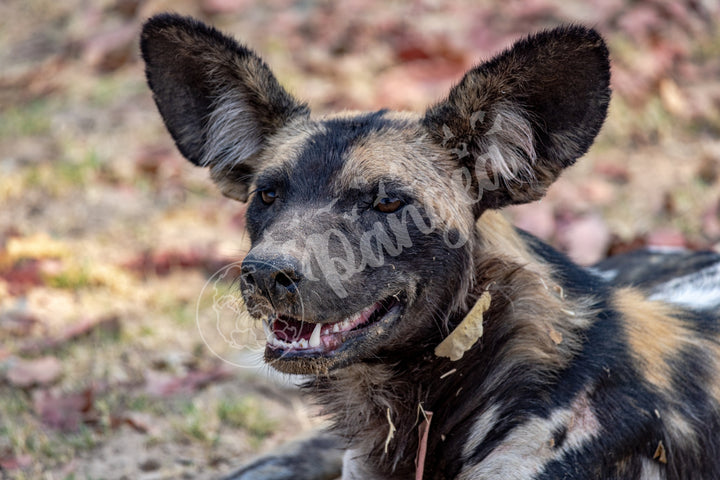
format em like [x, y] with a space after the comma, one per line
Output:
[18, 462]
[40, 371]
[467, 333]
[556, 336]
[391, 430]
[660, 455]
[159, 384]
[65, 411]
[36, 247]
[673, 99]
[110, 324]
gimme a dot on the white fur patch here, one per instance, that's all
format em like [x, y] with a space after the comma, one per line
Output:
[651, 470]
[354, 467]
[509, 148]
[480, 429]
[607, 275]
[526, 450]
[699, 290]
[233, 134]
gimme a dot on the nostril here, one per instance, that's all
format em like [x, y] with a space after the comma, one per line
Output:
[285, 280]
[246, 272]
[274, 278]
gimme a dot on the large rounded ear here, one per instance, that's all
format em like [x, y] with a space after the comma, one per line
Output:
[218, 99]
[516, 121]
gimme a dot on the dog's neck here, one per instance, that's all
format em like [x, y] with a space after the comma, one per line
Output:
[532, 330]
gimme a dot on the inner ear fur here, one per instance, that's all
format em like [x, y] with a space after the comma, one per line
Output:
[516, 121]
[218, 99]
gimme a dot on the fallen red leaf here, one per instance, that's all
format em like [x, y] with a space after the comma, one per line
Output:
[163, 385]
[612, 171]
[711, 222]
[65, 411]
[666, 238]
[27, 373]
[77, 330]
[163, 262]
[110, 50]
[15, 462]
[214, 7]
[22, 276]
[619, 246]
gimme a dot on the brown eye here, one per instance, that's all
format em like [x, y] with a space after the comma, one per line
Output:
[388, 205]
[268, 196]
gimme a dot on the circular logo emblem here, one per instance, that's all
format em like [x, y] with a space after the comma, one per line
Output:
[225, 325]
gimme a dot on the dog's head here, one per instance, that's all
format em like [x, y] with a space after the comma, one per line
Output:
[362, 224]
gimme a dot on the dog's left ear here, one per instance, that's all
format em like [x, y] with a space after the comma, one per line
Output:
[516, 121]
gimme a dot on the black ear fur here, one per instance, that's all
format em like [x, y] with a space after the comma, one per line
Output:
[519, 119]
[218, 99]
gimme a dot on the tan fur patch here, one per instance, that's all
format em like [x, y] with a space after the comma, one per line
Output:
[655, 334]
[280, 152]
[499, 238]
[527, 301]
[407, 155]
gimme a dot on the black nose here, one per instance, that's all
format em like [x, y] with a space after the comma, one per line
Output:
[275, 278]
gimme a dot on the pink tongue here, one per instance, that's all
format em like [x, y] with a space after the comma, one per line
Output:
[291, 330]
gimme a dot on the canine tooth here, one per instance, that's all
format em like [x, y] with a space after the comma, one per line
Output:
[315, 337]
[268, 333]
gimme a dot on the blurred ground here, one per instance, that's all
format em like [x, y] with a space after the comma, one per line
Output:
[107, 236]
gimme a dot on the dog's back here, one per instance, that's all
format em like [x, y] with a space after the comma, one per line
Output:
[442, 342]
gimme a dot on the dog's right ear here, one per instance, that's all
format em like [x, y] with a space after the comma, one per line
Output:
[218, 99]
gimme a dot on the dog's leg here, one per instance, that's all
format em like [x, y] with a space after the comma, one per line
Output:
[315, 458]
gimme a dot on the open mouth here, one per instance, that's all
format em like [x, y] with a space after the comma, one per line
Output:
[286, 334]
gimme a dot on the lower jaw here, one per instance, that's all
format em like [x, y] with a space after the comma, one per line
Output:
[355, 346]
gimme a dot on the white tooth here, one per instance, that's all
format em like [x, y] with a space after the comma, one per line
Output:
[315, 337]
[268, 333]
[294, 344]
[336, 328]
[303, 343]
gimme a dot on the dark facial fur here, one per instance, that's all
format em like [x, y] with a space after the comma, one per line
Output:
[323, 248]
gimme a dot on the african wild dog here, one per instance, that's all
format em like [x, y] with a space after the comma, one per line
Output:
[374, 234]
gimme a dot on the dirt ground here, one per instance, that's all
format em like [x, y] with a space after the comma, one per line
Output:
[123, 352]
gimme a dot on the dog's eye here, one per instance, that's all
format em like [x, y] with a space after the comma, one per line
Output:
[268, 196]
[387, 204]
